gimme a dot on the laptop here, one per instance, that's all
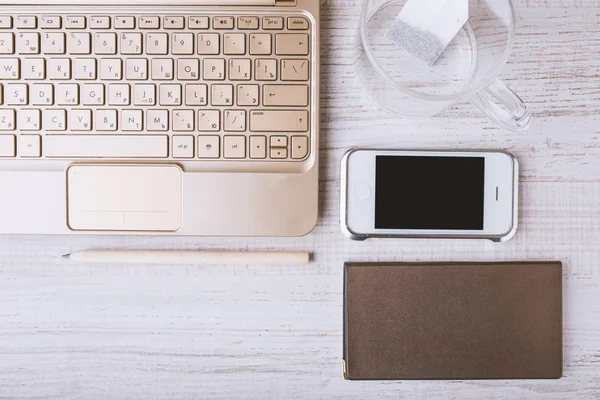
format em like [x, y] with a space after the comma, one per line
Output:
[186, 117]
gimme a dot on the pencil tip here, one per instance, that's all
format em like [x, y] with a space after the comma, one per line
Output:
[66, 255]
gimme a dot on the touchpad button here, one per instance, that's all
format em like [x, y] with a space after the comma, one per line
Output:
[124, 198]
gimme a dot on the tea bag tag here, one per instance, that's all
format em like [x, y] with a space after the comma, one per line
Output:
[425, 27]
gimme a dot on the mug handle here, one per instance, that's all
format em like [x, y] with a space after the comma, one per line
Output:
[513, 115]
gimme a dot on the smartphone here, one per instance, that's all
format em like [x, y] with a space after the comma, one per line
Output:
[429, 193]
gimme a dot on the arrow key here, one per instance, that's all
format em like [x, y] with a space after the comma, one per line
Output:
[299, 147]
[279, 141]
[278, 153]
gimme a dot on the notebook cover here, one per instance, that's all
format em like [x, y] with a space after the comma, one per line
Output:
[453, 320]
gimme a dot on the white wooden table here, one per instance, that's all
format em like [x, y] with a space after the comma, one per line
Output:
[72, 331]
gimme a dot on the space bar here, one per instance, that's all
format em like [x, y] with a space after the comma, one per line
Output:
[106, 146]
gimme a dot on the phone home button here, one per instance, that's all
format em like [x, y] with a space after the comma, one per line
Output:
[362, 192]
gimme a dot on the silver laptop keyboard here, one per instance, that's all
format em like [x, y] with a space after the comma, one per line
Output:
[190, 87]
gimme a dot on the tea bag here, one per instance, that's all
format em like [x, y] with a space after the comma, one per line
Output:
[425, 27]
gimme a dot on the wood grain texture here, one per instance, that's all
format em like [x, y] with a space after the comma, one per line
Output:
[72, 331]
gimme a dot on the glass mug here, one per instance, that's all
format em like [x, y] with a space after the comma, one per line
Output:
[466, 70]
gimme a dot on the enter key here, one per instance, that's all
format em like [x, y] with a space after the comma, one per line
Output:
[285, 95]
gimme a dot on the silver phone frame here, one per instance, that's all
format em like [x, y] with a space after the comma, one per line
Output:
[363, 236]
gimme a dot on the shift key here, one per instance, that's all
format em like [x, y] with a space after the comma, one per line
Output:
[278, 121]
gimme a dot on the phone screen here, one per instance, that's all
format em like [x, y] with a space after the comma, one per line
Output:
[438, 193]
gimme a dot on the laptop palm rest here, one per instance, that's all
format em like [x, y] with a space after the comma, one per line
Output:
[124, 197]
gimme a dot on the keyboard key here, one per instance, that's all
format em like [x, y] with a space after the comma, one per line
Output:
[157, 120]
[248, 23]
[234, 43]
[111, 69]
[85, 68]
[222, 95]
[54, 120]
[208, 43]
[285, 95]
[7, 145]
[7, 120]
[157, 43]
[265, 70]
[174, 22]
[272, 23]
[297, 23]
[132, 120]
[149, 22]
[162, 69]
[240, 69]
[79, 43]
[260, 44]
[17, 94]
[258, 147]
[53, 43]
[7, 43]
[10, 68]
[170, 95]
[80, 120]
[183, 120]
[131, 43]
[26, 22]
[59, 68]
[30, 146]
[279, 141]
[28, 43]
[106, 120]
[42, 94]
[182, 43]
[234, 147]
[214, 69]
[119, 95]
[34, 68]
[98, 22]
[6, 22]
[106, 146]
[67, 94]
[92, 94]
[247, 95]
[50, 22]
[75, 22]
[278, 153]
[105, 43]
[30, 120]
[222, 22]
[183, 146]
[209, 120]
[278, 121]
[144, 95]
[198, 22]
[235, 120]
[188, 69]
[208, 146]
[291, 44]
[136, 69]
[124, 22]
[294, 70]
[195, 95]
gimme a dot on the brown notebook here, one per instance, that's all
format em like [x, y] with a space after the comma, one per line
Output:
[453, 320]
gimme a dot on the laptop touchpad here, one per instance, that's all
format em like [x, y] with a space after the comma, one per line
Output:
[124, 197]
